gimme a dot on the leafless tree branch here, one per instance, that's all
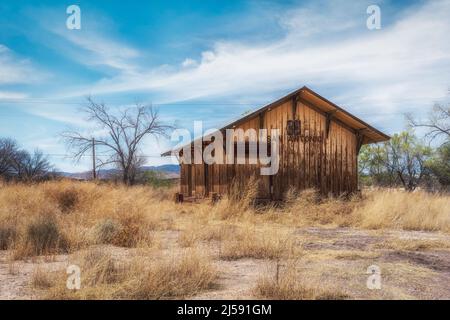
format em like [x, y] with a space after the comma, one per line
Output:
[125, 129]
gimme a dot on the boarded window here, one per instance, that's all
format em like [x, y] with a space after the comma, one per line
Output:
[293, 128]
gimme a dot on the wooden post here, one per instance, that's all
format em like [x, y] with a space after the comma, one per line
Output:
[329, 116]
[215, 197]
[359, 140]
[294, 107]
[277, 276]
[179, 197]
[94, 173]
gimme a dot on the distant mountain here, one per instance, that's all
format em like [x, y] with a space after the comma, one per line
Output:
[169, 171]
[173, 168]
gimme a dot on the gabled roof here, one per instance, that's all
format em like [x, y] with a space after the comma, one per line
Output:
[323, 105]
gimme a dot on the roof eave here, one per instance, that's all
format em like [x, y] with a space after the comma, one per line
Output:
[383, 136]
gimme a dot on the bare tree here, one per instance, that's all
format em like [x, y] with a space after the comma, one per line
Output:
[8, 148]
[19, 164]
[438, 123]
[125, 131]
[30, 167]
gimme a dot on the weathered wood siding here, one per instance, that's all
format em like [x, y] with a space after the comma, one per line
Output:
[328, 164]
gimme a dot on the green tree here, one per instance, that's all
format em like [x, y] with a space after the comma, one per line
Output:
[372, 166]
[154, 178]
[439, 164]
[406, 157]
[437, 126]
[401, 161]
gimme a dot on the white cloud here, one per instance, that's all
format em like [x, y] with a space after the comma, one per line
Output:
[377, 75]
[68, 114]
[187, 63]
[14, 70]
[320, 17]
[407, 62]
[89, 45]
[7, 95]
[96, 49]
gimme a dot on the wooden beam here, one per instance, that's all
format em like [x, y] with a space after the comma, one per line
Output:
[359, 140]
[310, 105]
[206, 179]
[329, 116]
[294, 106]
[261, 120]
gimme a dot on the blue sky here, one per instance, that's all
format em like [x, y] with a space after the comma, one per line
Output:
[213, 61]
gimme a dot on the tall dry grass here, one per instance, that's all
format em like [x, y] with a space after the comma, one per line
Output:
[289, 284]
[103, 277]
[403, 210]
[74, 217]
[259, 243]
[64, 216]
[239, 200]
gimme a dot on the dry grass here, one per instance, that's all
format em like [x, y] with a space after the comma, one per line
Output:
[126, 232]
[210, 231]
[74, 217]
[8, 235]
[375, 210]
[41, 279]
[60, 216]
[264, 243]
[238, 202]
[180, 277]
[402, 210]
[413, 245]
[289, 285]
[354, 254]
[42, 237]
[89, 213]
[106, 278]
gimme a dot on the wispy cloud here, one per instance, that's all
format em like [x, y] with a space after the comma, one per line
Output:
[15, 70]
[98, 50]
[91, 45]
[12, 95]
[404, 64]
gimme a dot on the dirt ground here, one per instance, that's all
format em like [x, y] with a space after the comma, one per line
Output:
[413, 265]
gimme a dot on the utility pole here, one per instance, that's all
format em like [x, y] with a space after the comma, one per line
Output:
[94, 173]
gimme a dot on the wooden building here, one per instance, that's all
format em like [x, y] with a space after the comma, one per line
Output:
[318, 148]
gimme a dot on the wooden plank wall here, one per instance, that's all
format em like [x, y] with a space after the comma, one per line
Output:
[329, 165]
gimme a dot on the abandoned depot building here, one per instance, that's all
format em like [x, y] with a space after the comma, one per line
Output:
[318, 148]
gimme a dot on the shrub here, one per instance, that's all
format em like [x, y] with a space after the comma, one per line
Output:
[107, 231]
[124, 233]
[104, 278]
[69, 196]
[240, 199]
[99, 268]
[181, 277]
[264, 244]
[134, 230]
[40, 279]
[43, 237]
[289, 286]
[66, 199]
[8, 235]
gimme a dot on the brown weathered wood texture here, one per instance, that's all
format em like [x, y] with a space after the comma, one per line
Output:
[323, 157]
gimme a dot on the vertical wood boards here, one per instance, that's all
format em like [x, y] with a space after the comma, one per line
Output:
[311, 161]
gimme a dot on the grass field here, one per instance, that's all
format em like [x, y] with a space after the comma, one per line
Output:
[136, 243]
